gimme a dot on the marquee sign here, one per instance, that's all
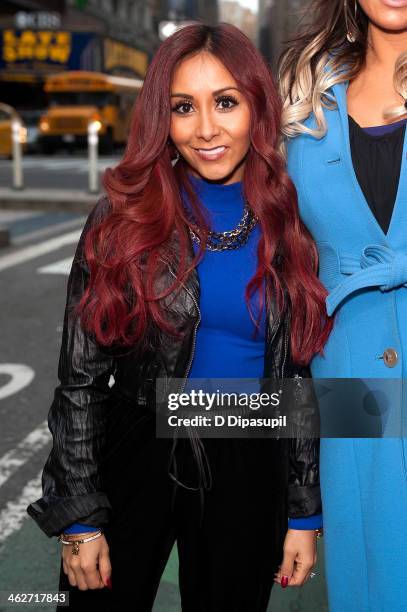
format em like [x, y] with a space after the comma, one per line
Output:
[41, 50]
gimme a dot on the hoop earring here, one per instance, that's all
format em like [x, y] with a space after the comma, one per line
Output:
[176, 158]
[174, 153]
[349, 34]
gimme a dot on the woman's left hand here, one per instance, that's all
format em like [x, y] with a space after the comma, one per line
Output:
[300, 556]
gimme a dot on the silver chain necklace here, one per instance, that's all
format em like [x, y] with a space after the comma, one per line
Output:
[231, 239]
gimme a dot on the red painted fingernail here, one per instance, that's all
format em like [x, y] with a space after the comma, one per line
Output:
[284, 581]
[108, 583]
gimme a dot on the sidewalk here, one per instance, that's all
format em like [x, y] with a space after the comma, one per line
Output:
[30, 213]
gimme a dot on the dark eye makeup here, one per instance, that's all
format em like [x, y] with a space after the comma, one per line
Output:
[228, 98]
[179, 105]
[231, 100]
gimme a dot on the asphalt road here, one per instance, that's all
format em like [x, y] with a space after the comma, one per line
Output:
[60, 171]
[33, 277]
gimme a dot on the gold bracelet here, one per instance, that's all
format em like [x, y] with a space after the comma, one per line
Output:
[75, 543]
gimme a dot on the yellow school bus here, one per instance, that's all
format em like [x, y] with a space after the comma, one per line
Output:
[79, 97]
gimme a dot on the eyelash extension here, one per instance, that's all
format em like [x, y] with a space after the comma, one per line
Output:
[229, 98]
[179, 105]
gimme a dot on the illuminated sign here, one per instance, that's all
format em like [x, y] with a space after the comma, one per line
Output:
[41, 19]
[36, 45]
[42, 50]
[118, 55]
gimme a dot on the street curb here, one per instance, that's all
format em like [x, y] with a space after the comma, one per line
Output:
[49, 200]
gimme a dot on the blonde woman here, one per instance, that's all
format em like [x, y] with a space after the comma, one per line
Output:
[344, 87]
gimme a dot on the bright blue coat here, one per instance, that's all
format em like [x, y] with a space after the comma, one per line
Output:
[363, 480]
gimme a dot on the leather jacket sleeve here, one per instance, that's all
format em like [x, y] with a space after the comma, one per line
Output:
[71, 479]
[304, 497]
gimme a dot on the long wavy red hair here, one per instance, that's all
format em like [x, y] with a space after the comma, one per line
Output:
[126, 249]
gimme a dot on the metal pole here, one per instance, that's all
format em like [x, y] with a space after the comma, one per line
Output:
[17, 154]
[93, 141]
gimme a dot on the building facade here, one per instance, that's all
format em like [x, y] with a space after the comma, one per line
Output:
[243, 17]
[277, 21]
[38, 38]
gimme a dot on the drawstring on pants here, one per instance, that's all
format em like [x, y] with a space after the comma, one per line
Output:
[205, 481]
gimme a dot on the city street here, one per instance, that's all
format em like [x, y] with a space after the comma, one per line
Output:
[55, 171]
[33, 284]
[33, 279]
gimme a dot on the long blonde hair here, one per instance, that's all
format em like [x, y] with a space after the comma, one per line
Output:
[321, 56]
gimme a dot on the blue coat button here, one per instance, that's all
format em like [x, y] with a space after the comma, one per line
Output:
[390, 358]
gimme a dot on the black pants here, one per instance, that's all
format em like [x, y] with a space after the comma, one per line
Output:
[227, 563]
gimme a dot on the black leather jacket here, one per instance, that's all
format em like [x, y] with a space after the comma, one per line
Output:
[72, 483]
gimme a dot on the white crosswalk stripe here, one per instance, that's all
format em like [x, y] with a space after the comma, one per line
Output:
[30, 252]
[15, 511]
[11, 461]
[59, 267]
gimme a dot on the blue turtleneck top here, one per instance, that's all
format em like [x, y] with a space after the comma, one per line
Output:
[225, 345]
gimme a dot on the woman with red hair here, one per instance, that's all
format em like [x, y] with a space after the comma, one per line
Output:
[198, 263]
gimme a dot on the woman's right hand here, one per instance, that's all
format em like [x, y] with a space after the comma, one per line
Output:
[90, 568]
